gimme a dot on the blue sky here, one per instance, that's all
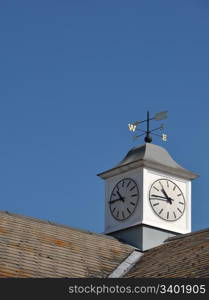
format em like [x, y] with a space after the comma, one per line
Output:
[73, 74]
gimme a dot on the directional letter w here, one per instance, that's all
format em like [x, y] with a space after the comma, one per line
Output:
[132, 127]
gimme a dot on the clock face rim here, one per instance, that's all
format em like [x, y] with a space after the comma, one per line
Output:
[167, 220]
[137, 201]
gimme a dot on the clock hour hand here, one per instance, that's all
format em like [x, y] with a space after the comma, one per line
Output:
[161, 197]
[157, 196]
[115, 200]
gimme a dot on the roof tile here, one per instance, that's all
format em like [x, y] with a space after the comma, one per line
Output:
[35, 248]
[185, 256]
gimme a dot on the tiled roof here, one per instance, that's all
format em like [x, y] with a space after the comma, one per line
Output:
[182, 256]
[35, 248]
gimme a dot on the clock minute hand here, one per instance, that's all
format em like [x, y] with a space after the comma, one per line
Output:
[121, 198]
[164, 192]
[166, 195]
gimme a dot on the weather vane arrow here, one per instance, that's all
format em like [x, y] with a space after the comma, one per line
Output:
[148, 139]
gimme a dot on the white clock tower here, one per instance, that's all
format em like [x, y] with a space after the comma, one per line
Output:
[147, 197]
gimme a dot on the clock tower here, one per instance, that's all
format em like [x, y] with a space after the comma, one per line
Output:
[147, 197]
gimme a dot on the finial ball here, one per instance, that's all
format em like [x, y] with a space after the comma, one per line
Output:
[148, 139]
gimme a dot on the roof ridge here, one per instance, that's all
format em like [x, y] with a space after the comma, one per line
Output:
[181, 236]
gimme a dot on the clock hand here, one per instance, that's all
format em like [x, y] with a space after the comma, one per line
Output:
[164, 192]
[121, 198]
[115, 200]
[160, 199]
[119, 194]
[156, 196]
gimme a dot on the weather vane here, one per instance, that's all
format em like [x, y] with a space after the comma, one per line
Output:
[148, 139]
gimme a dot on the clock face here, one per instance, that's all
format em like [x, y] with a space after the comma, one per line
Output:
[124, 199]
[167, 200]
